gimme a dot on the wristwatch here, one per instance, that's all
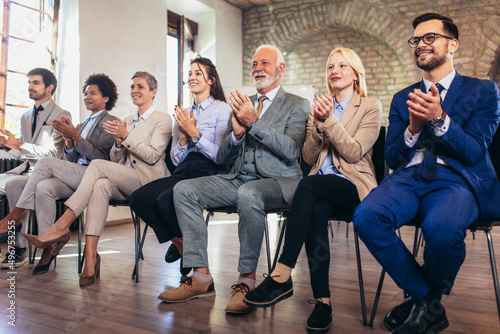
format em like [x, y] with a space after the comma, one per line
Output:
[251, 124]
[437, 123]
[197, 138]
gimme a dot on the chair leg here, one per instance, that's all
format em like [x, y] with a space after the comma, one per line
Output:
[137, 229]
[31, 252]
[377, 297]
[280, 241]
[80, 256]
[416, 241]
[331, 228]
[142, 240]
[268, 251]
[360, 279]
[493, 270]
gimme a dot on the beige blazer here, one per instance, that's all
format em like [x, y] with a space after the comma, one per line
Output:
[45, 141]
[352, 138]
[146, 146]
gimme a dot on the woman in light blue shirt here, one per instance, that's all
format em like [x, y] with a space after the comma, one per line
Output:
[198, 132]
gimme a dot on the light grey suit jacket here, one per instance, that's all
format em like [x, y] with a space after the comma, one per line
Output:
[280, 133]
[146, 146]
[98, 143]
[45, 141]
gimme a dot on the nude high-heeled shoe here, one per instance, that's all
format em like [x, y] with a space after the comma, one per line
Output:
[89, 280]
[59, 242]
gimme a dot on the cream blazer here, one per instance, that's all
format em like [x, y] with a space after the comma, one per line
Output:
[146, 146]
[352, 138]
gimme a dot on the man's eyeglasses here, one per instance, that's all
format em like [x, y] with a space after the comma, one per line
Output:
[428, 39]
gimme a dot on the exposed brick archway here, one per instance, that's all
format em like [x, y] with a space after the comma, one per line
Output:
[285, 30]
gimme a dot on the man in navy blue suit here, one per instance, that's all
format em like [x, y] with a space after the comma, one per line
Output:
[437, 143]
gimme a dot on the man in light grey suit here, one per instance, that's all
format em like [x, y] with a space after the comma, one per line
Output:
[53, 178]
[263, 146]
[38, 139]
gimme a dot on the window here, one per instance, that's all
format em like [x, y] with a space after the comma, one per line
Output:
[180, 51]
[29, 40]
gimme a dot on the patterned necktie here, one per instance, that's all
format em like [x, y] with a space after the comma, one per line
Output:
[261, 104]
[35, 116]
[428, 167]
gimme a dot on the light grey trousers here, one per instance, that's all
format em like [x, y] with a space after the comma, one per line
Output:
[250, 194]
[12, 185]
[50, 180]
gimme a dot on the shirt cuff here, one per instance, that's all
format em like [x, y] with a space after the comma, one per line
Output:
[70, 150]
[411, 140]
[235, 141]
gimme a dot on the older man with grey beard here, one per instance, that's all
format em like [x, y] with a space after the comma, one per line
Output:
[262, 148]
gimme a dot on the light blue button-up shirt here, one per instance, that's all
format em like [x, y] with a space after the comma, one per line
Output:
[212, 119]
[82, 160]
[328, 168]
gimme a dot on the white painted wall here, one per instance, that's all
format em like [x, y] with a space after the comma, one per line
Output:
[220, 35]
[120, 37]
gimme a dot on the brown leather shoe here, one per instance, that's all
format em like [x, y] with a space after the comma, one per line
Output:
[236, 304]
[189, 289]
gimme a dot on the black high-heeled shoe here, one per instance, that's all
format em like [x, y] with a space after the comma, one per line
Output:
[42, 269]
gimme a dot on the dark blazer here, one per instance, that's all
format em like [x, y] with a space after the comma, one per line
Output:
[472, 105]
[280, 133]
[98, 142]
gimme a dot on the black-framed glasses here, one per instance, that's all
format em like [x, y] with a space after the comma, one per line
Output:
[428, 39]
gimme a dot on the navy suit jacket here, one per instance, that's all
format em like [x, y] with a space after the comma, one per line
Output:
[472, 105]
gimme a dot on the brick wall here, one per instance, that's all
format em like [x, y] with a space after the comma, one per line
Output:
[306, 31]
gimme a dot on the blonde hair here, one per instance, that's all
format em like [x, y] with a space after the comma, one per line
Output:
[354, 61]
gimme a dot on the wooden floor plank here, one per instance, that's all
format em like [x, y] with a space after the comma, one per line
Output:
[54, 303]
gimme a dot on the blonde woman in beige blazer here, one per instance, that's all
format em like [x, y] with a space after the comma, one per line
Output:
[341, 131]
[137, 157]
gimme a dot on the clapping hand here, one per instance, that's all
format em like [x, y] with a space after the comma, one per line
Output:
[323, 106]
[243, 113]
[118, 129]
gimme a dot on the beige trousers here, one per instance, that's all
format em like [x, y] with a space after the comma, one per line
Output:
[103, 181]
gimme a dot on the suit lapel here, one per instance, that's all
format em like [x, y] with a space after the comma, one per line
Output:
[271, 113]
[456, 89]
[29, 122]
[99, 118]
[351, 109]
[42, 118]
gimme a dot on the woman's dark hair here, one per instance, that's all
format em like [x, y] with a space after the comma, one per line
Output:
[106, 86]
[216, 88]
[449, 26]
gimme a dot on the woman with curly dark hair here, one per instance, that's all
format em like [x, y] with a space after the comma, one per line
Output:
[53, 178]
[198, 132]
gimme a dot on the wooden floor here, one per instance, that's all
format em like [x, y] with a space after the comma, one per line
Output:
[54, 303]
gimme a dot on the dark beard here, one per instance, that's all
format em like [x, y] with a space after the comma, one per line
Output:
[433, 63]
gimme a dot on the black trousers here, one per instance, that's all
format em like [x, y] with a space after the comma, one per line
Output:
[317, 196]
[154, 202]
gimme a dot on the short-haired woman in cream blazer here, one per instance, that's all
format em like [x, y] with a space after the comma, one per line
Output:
[341, 131]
